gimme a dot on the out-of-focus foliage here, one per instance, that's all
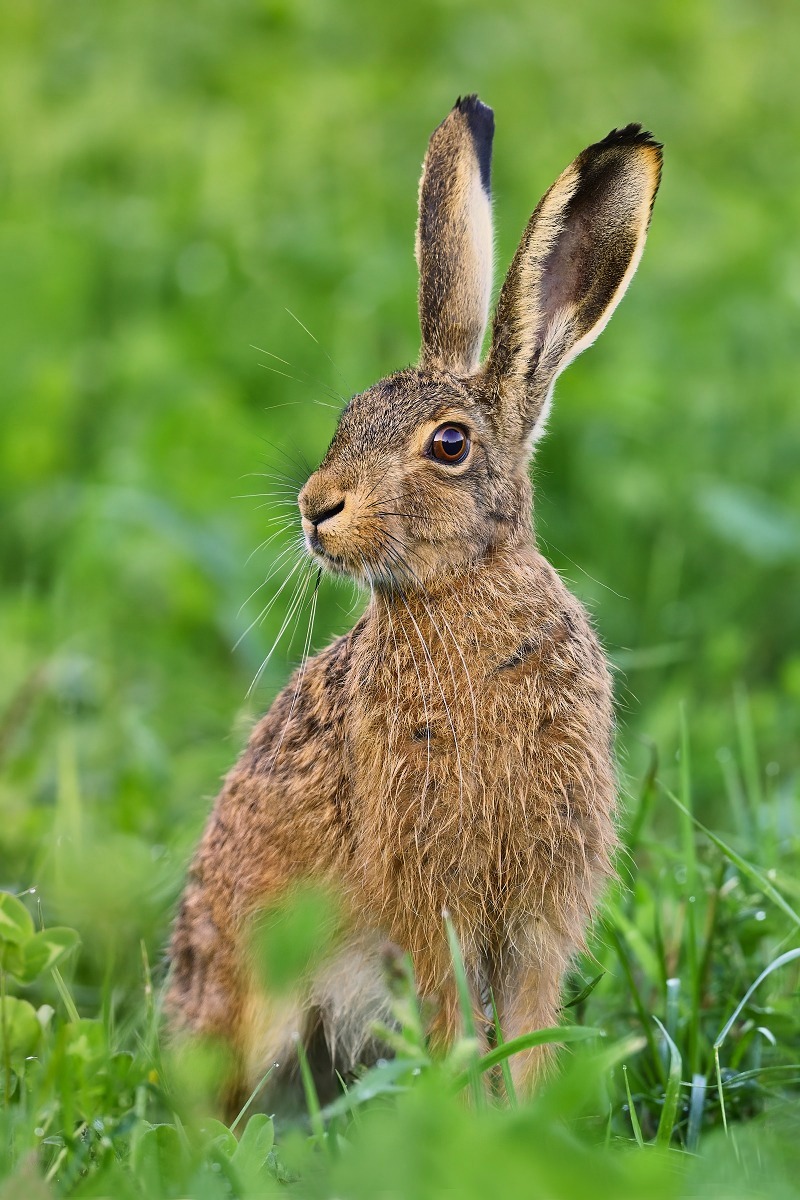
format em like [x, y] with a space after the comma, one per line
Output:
[190, 194]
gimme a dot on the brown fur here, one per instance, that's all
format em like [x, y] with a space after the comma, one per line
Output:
[453, 751]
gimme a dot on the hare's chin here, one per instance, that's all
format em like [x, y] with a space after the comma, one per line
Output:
[332, 562]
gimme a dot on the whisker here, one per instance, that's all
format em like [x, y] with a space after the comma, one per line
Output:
[291, 504]
[275, 476]
[403, 563]
[276, 566]
[268, 606]
[263, 545]
[551, 546]
[309, 380]
[302, 672]
[372, 490]
[306, 643]
[299, 596]
[388, 513]
[261, 495]
[313, 384]
[324, 351]
[299, 463]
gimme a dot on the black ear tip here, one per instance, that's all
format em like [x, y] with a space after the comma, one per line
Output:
[631, 135]
[469, 103]
[480, 122]
[474, 110]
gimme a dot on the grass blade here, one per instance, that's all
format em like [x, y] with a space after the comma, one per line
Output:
[312, 1099]
[691, 894]
[386, 1080]
[666, 1123]
[584, 993]
[749, 754]
[636, 1127]
[460, 973]
[538, 1037]
[465, 1004]
[511, 1091]
[697, 1102]
[243, 1110]
[781, 961]
[742, 864]
[720, 1092]
[645, 798]
[647, 1028]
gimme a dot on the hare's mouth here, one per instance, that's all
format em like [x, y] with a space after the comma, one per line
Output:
[357, 568]
[337, 564]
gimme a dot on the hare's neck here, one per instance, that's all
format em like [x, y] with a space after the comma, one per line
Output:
[478, 592]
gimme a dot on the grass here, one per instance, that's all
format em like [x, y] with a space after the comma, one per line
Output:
[679, 1067]
[172, 183]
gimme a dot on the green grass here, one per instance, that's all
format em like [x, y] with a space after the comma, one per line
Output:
[173, 179]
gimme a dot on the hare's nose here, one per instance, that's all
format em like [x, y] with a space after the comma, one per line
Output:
[321, 510]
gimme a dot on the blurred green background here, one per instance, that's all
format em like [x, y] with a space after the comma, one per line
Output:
[173, 179]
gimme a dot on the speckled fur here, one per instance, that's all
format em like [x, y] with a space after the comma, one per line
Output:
[453, 751]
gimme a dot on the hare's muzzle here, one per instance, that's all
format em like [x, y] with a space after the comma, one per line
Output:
[319, 509]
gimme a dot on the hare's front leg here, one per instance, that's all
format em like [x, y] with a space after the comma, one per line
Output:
[277, 822]
[527, 996]
[436, 987]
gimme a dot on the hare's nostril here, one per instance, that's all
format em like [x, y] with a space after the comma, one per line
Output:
[325, 514]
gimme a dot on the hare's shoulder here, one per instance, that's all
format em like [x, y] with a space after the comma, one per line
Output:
[306, 718]
[554, 635]
[283, 807]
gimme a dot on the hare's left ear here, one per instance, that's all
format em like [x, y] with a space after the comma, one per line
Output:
[454, 238]
[573, 265]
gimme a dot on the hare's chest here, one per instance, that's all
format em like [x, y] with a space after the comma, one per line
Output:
[430, 733]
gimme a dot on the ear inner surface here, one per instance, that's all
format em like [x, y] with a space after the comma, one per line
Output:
[573, 265]
[454, 247]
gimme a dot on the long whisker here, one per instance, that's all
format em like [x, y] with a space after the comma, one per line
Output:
[324, 351]
[305, 382]
[308, 379]
[381, 500]
[298, 600]
[284, 528]
[389, 513]
[274, 476]
[302, 672]
[274, 503]
[551, 546]
[307, 639]
[277, 564]
[267, 608]
[300, 463]
[260, 495]
[400, 561]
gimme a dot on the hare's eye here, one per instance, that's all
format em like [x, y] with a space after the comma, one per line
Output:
[450, 444]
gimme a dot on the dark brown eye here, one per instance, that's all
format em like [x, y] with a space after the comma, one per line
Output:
[450, 444]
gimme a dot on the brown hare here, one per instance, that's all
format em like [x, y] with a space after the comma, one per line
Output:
[454, 750]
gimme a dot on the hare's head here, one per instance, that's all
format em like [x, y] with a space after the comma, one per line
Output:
[428, 469]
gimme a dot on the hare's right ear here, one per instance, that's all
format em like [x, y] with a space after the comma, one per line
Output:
[454, 238]
[573, 265]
